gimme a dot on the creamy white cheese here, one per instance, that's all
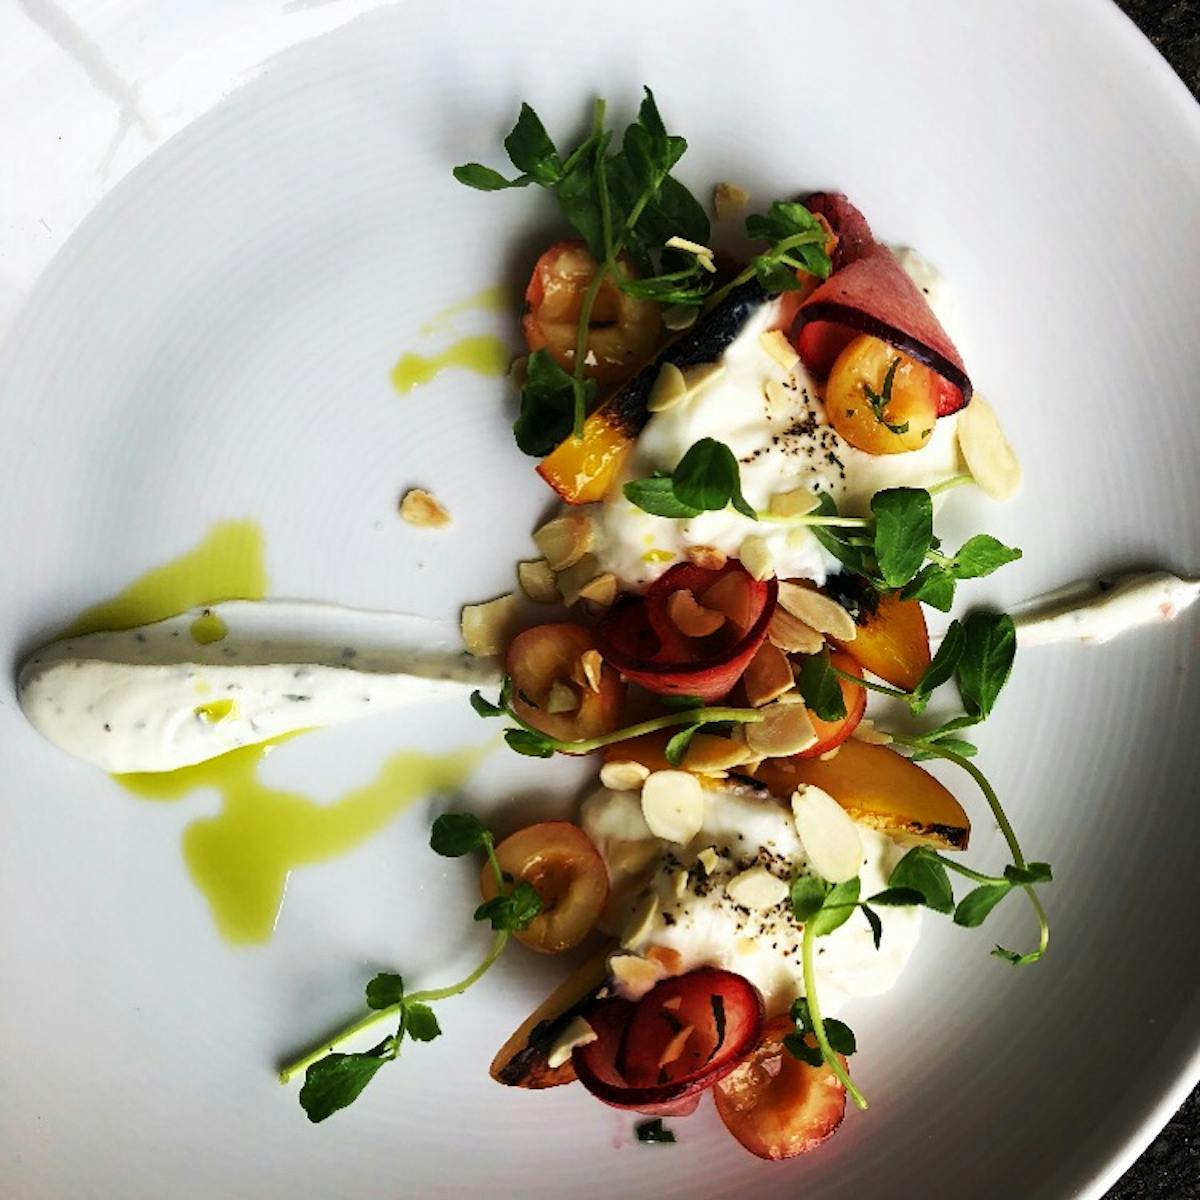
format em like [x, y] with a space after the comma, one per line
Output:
[774, 422]
[1098, 611]
[699, 920]
[156, 699]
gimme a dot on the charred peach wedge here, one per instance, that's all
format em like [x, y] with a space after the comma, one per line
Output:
[880, 789]
[892, 641]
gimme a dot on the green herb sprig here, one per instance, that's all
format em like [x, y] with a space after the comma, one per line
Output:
[707, 479]
[334, 1079]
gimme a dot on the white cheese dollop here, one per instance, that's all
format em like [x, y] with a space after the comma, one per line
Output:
[707, 927]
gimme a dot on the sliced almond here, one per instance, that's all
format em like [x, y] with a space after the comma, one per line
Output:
[708, 859]
[699, 376]
[573, 579]
[865, 731]
[768, 676]
[633, 975]
[829, 755]
[784, 730]
[704, 255]
[819, 611]
[756, 557]
[779, 348]
[640, 925]
[680, 316]
[729, 199]
[793, 636]
[796, 503]
[729, 595]
[577, 1033]
[537, 581]
[488, 628]
[756, 889]
[989, 454]
[673, 805]
[708, 557]
[708, 754]
[601, 589]
[423, 509]
[679, 883]
[562, 698]
[690, 618]
[831, 840]
[668, 389]
[675, 1047]
[623, 776]
[565, 540]
[588, 670]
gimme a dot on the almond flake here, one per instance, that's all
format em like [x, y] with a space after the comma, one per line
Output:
[678, 317]
[588, 670]
[830, 838]
[488, 628]
[640, 925]
[708, 557]
[792, 635]
[729, 595]
[668, 389]
[562, 698]
[623, 775]
[829, 755]
[673, 805]
[634, 976]
[537, 581]
[796, 503]
[989, 454]
[689, 617]
[423, 509]
[674, 1048]
[756, 557]
[729, 199]
[819, 611]
[704, 256]
[679, 884]
[601, 590]
[784, 730]
[779, 348]
[573, 579]
[768, 676]
[756, 889]
[865, 731]
[698, 377]
[708, 859]
[577, 1033]
[565, 540]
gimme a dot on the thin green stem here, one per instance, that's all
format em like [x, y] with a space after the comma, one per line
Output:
[968, 872]
[881, 688]
[490, 848]
[816, 519]
[378, 1016]
[689, 716]
[946, 484]
[818, 1023]
[747, 273]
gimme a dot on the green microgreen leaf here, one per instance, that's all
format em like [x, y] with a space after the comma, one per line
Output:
[941, 668]
[875, 923]
[384, 991]
[484, 179]
[838, 908]
[973, 909]
[903, 532]
[333, 1082]
[547, 405]
[989, 646]
[456, 834]
[677, 744]
[898, 897]
[821, 687]
[921, 871]
[807, 894]
[657, 497]
[529, 743]
[932, 585]
[707, 478]
[485, 708]
[420, 1023]
[513, 911]
[531, 151]
[980, 556]
[653, 1132]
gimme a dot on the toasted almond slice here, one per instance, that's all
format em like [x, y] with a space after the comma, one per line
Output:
[830, 838]
[537, 581]
[488, 628]
[679, 883]
[674, 1048]
[641, 921]
[668, 389]
[577, 1033]
[729, 199]
[587, 671]
[865, 731]
[573, 579]
[699, 376]
[779, 348]
[756, 889]
[633, 975]
[423, 509]
[768, 676]
[562, 698]
[673, 805]
[793, 636]
[784, 730]
[708, 754]
[704, 255]
[708, 557]
[989, 454]
[829, 754]
[601, 589]
[795, 503]
[623, 776]
[730, 596]
[564, 540]
[756, 557]
[708, 858]
[680, 316]
[817, 610]
[691, 618]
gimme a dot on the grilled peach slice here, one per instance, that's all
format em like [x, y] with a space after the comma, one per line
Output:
[880, 789]
[892, 641]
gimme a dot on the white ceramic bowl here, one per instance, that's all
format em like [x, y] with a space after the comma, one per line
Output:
[220, 224]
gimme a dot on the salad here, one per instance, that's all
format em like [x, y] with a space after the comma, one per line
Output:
[749, 447]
